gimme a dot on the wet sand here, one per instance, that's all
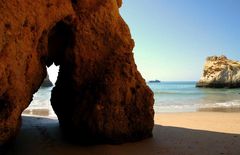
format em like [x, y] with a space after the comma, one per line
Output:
[198, 133]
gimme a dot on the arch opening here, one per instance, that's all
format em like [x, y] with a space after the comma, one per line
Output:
[40, 105]
[53, 45]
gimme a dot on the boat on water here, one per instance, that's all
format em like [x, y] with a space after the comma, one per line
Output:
[154, 81]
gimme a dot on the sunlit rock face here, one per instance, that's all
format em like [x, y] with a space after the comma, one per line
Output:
[99, 94]
[220, 72]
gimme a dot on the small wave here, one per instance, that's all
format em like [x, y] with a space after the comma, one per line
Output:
[175, 108]
[228, 104]
[172, 93]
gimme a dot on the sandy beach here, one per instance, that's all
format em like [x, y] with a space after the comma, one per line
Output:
[197, 133]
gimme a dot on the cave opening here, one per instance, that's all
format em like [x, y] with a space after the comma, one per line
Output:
[56, 42]
[40, 105]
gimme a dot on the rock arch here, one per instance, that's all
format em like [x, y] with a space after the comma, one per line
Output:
[99, 94]
[60, 39]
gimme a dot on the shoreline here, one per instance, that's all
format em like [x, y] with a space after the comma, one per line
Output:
[223, 122]
[208, 133]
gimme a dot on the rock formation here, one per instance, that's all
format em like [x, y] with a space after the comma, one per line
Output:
[220, 72]
[47, 82]
[99, 94]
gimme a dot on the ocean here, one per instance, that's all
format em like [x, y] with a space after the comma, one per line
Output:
[169, 97]
[185, 97]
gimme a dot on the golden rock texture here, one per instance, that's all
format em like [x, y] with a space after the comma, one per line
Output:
[220, 72]
[99, 94]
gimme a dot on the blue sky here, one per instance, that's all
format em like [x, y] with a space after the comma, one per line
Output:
[174, 37]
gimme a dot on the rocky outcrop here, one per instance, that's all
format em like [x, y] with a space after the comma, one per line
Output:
[47, 82]
[99, 94]
[220, 72]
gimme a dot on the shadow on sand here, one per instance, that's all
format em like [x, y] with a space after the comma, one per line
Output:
[41, 136]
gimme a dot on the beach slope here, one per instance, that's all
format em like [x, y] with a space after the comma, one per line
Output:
[198, 133]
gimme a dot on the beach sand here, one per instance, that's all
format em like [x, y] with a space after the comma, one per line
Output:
[197, 133]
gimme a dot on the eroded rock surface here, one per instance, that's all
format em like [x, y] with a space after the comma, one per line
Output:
[220, 72]
[47, 82]
[99, 94]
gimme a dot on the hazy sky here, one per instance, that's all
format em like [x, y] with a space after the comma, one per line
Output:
[173, 37]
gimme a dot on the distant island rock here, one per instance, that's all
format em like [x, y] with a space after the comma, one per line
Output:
[154, 81]
[220, 72]
[47, 82]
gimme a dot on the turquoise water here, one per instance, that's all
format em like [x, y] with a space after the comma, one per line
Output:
[40, 104]
[169, 97]
[185, 97]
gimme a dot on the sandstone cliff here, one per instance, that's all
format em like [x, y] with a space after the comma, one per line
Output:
[220, 72]
[99, 94]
